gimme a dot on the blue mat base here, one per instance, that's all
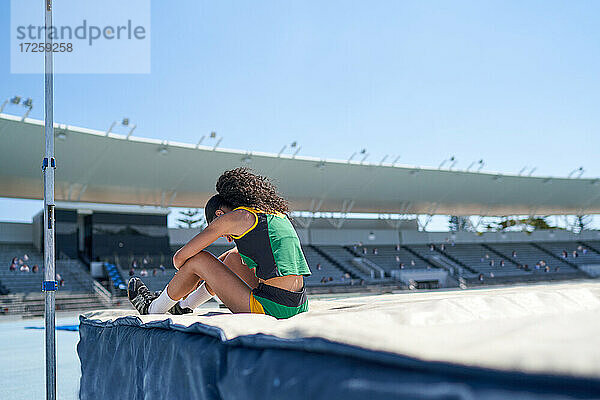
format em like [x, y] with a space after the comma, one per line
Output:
[160, 360]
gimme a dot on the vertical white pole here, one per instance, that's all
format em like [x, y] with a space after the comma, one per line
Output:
[48, 166]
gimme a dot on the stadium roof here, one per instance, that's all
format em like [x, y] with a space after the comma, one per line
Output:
[94, 166]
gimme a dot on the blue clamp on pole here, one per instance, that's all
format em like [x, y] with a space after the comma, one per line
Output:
[49, 286]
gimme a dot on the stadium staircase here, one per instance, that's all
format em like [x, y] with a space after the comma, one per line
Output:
[455, 260]
[356, 254]
[337, 264]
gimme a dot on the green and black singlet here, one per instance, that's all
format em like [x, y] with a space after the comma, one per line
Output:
[272, 246]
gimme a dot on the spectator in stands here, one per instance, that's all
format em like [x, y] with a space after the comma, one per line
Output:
[547, 269]
[154, 272]
[491, 274]
[491, 263]
[347, 275]
[24, 268]
[330, 279]
[162, 268]
[144, 272]
[412, 263]
[131, 272]
[514, 254]
[487, 256]
[365, 250]
[584, 251]
[556, 269]
[134, 264]
[375, 250]
[14, 260]
[443, 247]
[13, 267]
[502, 263]
[324, 280]
[480, 277]
[575, 254]
[25, 257]
[401, 265]
[319, 267]
[564, 254]
[526, 267]
[61, 281]
[35, 269]
[397, 259]
[397, 247]
[431, 247]
[144, 261]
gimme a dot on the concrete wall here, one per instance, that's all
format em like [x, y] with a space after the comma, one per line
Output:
[391, 237]
[414, 237]
[14, 232]
[351, 236]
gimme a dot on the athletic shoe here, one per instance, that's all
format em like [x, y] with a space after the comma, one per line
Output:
[178, 310]
[139, 295]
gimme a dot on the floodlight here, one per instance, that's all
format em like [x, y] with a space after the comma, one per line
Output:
[15, 100]
[213, 134]
[125, 122]
[294, 144]
[61, 135]
[28, 103]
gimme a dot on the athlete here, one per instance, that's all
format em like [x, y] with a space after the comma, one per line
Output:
[263, 274]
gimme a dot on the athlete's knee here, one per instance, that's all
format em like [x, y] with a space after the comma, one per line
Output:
[202, 256]
[200, 261]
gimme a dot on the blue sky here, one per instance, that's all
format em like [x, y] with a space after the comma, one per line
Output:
[515, 83]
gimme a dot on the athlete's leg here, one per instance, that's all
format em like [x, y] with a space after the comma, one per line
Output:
[230, 288]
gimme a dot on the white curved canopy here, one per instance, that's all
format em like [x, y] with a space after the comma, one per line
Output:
[96, 167]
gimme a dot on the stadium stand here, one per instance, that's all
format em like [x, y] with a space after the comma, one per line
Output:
[483, 260]
[73, 275]
[435, 257]
[532, 257]
[323, 270]
[393, 257]
[343, 257]
[578, 253]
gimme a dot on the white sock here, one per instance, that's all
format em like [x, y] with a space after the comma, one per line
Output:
[162, 304]
[197, 297]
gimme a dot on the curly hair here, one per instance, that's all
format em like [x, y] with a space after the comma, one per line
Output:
[241, 187]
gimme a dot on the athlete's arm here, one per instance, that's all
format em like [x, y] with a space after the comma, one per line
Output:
[232, 223]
